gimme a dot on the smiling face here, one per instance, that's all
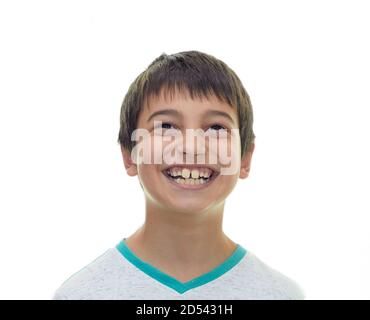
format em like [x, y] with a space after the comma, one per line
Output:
[182, 185]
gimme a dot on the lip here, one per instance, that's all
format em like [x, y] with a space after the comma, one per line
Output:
[192, 186]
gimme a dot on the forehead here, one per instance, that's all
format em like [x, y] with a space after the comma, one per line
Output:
[182, 102]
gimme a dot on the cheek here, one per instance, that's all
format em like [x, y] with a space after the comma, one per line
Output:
[229, 155]
[167, 149]
[225, 151]
[148, 177]
[228, 180]
[156, 148]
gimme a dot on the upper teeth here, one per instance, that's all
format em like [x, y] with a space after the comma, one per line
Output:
[194, 173]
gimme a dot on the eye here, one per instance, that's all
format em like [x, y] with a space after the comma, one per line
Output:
[163, 125]
[165, 128]
[218, 126]
[166, 125]
[217, 131]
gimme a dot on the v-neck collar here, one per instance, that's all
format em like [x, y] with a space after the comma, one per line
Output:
[173, 283]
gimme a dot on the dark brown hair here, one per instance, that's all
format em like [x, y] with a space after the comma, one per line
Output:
[196, 73]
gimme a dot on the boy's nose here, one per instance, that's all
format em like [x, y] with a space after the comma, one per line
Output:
[191, 144]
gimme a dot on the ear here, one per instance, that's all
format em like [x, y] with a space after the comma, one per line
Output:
[131, 167]
[245, 165]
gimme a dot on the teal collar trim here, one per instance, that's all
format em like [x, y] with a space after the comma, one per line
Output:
[173, 283]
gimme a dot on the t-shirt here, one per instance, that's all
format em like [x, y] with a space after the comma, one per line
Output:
[119, 274]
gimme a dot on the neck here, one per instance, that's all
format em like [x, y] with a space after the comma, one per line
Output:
[191, 244]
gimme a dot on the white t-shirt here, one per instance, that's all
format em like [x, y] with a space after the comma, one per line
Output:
[118, 274]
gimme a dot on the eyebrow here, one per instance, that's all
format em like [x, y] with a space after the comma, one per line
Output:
[177, 114]
[170, 112]
[219, 113]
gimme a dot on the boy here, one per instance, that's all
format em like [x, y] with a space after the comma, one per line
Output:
[181, 251]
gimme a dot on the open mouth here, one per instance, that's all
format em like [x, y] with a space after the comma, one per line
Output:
[193, 178]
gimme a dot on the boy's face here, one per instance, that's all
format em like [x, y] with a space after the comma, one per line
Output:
[199, 180]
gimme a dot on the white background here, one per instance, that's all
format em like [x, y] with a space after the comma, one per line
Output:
[65, 198]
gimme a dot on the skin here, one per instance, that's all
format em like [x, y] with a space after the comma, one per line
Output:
[182, 234]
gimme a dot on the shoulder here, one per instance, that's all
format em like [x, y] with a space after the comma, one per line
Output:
[268, 282]
[96, 278]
